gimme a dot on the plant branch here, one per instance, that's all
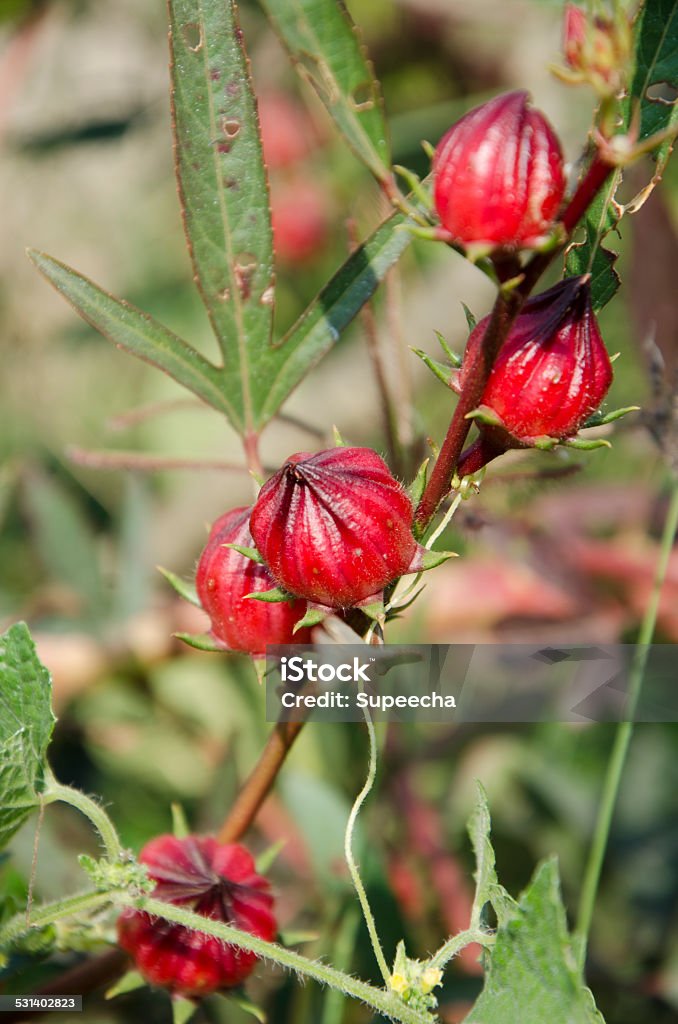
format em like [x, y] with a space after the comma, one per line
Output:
[55, 791]
[459, 942]
[624, 732]
[383, 1002]
[48, 913]
[260, 781]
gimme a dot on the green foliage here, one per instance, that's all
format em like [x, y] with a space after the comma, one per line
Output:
[224, 192]
[655, 52]
[26, 723]
[325, 45]
[531, 970]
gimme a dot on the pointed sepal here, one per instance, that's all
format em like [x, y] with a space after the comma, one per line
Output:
[276, 595]
[315, 615]
[454, 357]
[250, 553]
[439, 370]
[182, 587]
[600, 419]
[416, 488]
[201, 642]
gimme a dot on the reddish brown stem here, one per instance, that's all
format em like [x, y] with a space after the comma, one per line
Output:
[260, 781]
[477, 455]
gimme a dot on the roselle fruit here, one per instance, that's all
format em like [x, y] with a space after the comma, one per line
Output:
[335, 527]
[215, 880]
[225, 577]
[551, 373]
[498, 175]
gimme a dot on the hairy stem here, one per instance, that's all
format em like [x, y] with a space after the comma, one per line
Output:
[458, 942]
[48, 913]
[259, 782]
[384, 1002]
[624, 732]
[54, 791]
[350, 858]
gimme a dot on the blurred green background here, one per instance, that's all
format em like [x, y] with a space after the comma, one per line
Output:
[559, 547]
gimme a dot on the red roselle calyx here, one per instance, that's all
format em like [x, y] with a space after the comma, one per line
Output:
[215, 880]
[498, 176]
[223, 580]
[551, 373]
[335, 527]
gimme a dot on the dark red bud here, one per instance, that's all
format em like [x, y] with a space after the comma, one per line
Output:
[335, 527]
[498, 175]
[215, 880]
[223, 580]
[553, 370]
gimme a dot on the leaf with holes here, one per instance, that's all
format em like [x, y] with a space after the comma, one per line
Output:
[656, 57]
[655, 83]
[531, 974]
[320, 326]
[223, 191]
[26, 723]
[590, 256]
[137, 332]
[325, 45]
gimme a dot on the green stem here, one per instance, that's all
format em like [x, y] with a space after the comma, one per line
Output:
[383, 1002]
[91, 809]
[457, 943]
[50, 912]
[624, 732]
[350, 859]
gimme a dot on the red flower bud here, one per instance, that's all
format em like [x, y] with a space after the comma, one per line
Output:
[552, 371]
[597, 50]
[223, 580]
[212, 879]
[498, 175]
[335, 527]
[299, 216]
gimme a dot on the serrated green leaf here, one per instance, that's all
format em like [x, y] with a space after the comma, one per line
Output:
[182, 587]
[479, 827]
[325, 45]
[320, 326]
[136, 332]
[223, 190]
[26, 723]
[532, 975]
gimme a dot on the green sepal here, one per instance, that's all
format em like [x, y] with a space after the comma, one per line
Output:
[183, 587]
[180, 827]
[582, 445]
[201, 642]
[484, 415]
[268, 856]
[545, 443]
[276, 595]
[373, 609]
[130, 981]
[454, 357]
[428, 148]
[416, 187]
[314, 616]
[416, 488]
[440, 370]
[250, 553]
[471, 320]
[599, 419]
[240, 1000]
[182, 1009]
[337, 438]
[432, 559]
